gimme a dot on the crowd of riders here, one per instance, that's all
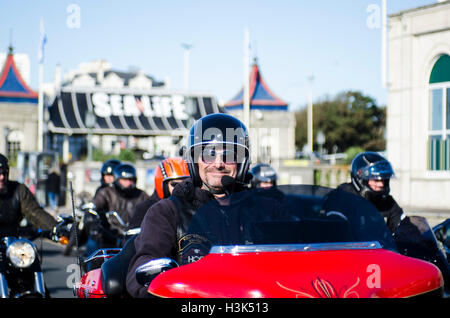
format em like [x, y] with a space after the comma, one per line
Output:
[210, 168]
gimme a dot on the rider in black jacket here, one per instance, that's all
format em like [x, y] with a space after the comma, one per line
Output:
[370, 176]
[218, 164]
[16, 202]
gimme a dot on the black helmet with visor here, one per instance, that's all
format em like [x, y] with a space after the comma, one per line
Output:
[125, 171]
[371, 166]
[263, 172]
[108, 168]
[218, 131]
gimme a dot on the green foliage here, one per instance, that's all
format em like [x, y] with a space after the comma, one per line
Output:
[350, 119]
[127, 155]
[98, 155]
[351, 153]
[124, 155]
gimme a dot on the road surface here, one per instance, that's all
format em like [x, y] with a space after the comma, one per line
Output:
[60, 272]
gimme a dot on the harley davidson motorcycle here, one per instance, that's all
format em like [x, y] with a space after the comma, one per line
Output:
[20, 263]
[290, 242]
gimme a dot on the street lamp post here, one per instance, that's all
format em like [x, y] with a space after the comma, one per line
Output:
[320, 141]
[310, 116]
[186, 48]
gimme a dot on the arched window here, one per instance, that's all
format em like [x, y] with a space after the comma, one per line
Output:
[439, 115]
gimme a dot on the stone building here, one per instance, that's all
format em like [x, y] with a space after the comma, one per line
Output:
[99, 107]
[418, 113]
[271, 125]
[18, 110]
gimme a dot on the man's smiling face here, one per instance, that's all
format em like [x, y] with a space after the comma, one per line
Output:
[214, 163]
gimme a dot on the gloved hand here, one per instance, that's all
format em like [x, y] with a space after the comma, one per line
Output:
[61, 231]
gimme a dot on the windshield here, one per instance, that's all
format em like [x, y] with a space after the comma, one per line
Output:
[286, 215]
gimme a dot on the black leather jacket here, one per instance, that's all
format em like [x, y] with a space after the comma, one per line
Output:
[388, 207]
[19, 202]
[162, 227]
[111, 199]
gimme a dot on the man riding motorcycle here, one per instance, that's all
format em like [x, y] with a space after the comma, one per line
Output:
[168, 174]
[16, 202]
[122, 197]
[107, 171]
[370, 176]
[218, 159]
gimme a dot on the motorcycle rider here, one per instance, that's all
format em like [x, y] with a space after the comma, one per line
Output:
[107, 170]
[218, 158]
[370, 175]
[121, 197]
[168, 174]
[264, 176]
[16, 202]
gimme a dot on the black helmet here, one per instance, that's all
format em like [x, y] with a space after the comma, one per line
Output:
[4, 165]
[263, 172]
[108, 168]
[218, 129]
[371, 165]
[4, 170]
[124, 171]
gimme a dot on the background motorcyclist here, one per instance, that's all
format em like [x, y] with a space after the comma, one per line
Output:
[370, 177]
[263, 176]
[17, 201]
[370, 174]
[107, 171]
[168, 174]
[121, 197]
[218, 165]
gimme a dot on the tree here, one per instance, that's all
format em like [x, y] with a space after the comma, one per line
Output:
[350, 119]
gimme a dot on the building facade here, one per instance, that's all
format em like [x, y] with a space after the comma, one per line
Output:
[18, 109]
[96, 107]
[271, 125]
[418, 113]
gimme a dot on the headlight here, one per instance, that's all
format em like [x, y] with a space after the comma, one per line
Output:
[21, 253]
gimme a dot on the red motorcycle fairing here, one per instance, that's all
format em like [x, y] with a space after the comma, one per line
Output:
[322, 273]
[90, 285]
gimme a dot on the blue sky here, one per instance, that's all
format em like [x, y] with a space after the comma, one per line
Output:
[291, 38]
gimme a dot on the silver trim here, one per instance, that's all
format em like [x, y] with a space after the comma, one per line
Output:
[39, 283]
[103, 253]
[4, 291]
[236, 249]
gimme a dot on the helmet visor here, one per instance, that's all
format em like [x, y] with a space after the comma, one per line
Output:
[380, 170]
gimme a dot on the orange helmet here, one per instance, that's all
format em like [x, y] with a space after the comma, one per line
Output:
[169, 169]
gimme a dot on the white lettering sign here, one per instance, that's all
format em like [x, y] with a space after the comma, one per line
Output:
[179, 109]
[129, 105]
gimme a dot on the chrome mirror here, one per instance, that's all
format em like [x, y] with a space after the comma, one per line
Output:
[148, 271]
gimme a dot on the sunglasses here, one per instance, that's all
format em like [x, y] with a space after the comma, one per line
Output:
[227, 156]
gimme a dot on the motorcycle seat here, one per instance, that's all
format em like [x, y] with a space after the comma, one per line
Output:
[114, 271]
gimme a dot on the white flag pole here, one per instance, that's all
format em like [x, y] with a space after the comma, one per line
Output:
[383, 43]
[41, 92]
[246, 98]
